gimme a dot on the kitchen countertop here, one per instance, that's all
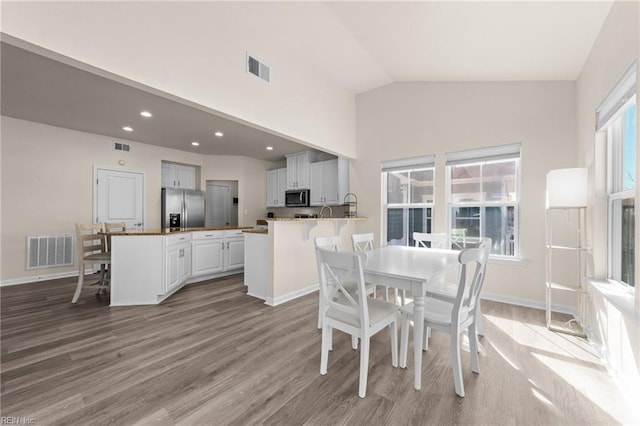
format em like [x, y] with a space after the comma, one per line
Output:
[171, 231]
[256, 231]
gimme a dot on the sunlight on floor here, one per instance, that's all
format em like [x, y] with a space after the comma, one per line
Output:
[571, 360]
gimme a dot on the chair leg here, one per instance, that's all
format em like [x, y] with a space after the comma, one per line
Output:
[393, 328]
[102, 282]
[386, 294]
[479, 326]
[76, 295]
[364, 366]
[320, 309]
[404, 341]
[326, 344]
[473, 348]
[425, 338]
[455, 363]
[330, 338]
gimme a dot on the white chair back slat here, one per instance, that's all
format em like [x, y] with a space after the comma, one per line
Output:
[425, 240]
[362, 242]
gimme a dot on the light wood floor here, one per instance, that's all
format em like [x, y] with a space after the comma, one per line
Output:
[212, 355]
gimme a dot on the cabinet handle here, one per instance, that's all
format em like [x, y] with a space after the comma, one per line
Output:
[209, 235]
[178, 183]
[227, 245]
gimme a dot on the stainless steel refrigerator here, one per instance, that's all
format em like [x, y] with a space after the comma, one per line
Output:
[182, 208]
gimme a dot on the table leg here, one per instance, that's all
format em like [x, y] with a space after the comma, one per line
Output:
[418, 326]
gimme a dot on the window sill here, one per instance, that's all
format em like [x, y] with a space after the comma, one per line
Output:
[512, 261]
[619, 295]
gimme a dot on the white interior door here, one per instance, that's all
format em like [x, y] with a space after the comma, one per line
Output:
[119, 197]
[218, 205]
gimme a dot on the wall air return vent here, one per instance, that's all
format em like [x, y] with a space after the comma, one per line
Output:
[119, 146]
[257, 68]
[49, 251]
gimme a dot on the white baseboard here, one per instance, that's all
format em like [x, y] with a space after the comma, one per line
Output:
[37, 278]
[294, 295]
[528, 303]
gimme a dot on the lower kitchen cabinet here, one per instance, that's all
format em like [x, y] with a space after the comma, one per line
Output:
[207, 256]
[234, 254]
[177, 261]
[146, 269]
[217, 251]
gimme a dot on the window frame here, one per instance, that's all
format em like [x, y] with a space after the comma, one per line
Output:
[405, 206]
[482, 205]
[616, 193]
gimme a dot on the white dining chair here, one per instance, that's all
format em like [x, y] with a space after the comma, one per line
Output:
[352, 312]
[91, 250]
[458, 238]
[447, 290]
[363, 243]
[332, 243]
[426, 240]
[454, 318]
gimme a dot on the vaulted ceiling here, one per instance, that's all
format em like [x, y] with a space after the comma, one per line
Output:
[359, 45]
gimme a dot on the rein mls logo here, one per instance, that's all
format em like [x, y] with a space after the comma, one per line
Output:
[10, 420]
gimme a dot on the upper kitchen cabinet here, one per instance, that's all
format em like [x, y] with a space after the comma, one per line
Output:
[276, 185]
[178, 176]
[299, 170]
[329, 182]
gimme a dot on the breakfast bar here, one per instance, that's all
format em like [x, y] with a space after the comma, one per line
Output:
[291, 269]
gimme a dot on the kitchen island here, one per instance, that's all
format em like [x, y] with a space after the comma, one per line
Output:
[290, 268]
[149, 266]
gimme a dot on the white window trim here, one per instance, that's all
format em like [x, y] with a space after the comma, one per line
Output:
[386, 206]
[482, 204]
[613, 127]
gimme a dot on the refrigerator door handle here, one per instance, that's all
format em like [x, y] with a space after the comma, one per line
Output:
[186, 215]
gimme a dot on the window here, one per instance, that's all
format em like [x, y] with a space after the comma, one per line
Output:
[483, 196]
[616, 115]
[621, 150]
[407, 199]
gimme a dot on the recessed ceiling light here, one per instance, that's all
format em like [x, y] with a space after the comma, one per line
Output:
[219, 134]
[194, 143]
[146, 114]
[127, 129]
[269, 148]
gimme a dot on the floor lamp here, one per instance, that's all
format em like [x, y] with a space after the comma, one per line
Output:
[566, 191]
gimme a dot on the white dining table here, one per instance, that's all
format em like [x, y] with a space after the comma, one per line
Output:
[410, 268]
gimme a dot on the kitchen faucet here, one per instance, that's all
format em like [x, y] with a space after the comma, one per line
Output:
[325, 206]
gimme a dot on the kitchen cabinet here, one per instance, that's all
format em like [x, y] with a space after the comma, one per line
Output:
[178, 176]
[208, 250]
[276, 186]
[234, 252]
[148, 267]
[177, 261]
[329, 182]
[299, 169]
[217, 251]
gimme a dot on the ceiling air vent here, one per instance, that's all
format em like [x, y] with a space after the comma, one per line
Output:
[119, 146]
[257, 68]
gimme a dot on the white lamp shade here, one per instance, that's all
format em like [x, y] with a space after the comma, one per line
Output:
[567, 188]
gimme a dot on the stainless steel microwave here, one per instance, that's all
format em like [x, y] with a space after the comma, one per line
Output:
[297, 198]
